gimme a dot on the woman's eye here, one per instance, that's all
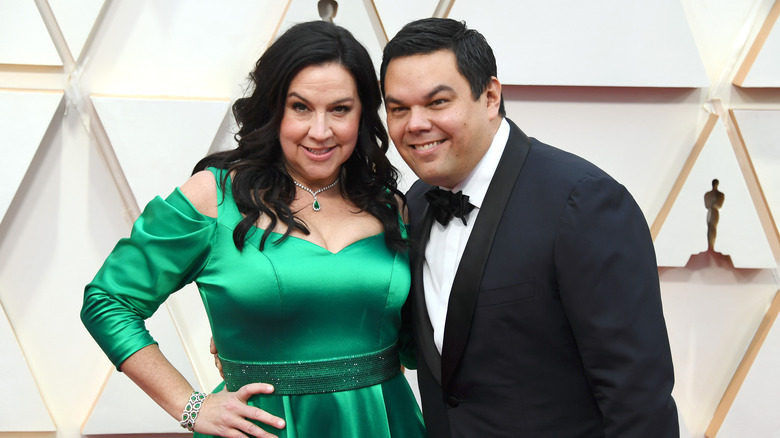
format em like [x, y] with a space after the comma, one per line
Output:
[298, 106]
[342, 109]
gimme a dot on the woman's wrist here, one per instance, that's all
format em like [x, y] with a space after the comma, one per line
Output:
[191, 410]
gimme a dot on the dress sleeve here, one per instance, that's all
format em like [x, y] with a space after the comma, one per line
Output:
[169, 245]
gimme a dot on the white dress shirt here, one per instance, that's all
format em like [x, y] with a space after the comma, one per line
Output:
[446, 244]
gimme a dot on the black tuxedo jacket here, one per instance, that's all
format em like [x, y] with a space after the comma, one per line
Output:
[554, 326]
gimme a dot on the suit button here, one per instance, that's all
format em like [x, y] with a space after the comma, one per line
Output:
[453, 401]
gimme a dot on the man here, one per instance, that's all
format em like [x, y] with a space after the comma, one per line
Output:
[538, 313]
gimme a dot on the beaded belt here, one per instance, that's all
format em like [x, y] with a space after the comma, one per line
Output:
[316, 376]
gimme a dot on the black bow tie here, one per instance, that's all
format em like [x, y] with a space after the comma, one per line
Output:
[446, 204]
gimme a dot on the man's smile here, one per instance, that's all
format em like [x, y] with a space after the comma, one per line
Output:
[426, 146]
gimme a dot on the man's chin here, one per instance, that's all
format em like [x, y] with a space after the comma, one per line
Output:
[434, 179]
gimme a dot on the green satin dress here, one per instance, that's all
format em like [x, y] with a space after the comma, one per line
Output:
[293, 301]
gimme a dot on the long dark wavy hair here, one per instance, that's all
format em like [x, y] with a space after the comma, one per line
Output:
[260, 181]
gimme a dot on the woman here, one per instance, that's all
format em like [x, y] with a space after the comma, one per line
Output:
[296, 242]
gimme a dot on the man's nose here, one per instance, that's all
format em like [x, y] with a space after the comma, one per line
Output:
[418, 120]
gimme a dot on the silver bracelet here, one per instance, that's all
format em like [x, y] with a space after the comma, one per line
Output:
[190, 413]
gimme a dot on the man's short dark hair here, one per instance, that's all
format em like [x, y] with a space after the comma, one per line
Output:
[474, 57]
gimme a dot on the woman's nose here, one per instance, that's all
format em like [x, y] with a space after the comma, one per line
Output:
[320, 129]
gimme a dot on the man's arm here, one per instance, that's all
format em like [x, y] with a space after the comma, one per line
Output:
[609, 286]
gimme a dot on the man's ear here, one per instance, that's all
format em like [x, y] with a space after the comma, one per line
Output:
[493, 97]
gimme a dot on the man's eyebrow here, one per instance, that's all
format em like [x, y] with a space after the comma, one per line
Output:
[391, 99]
[436, 90]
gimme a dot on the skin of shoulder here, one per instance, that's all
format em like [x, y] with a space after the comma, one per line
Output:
[201, 190]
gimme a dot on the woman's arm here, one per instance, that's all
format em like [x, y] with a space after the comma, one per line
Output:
[168, 246]
[223, 414]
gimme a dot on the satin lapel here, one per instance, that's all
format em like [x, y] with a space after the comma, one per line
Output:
[423, 328]
[465, 287]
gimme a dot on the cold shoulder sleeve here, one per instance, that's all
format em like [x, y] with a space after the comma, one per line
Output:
[168, 246]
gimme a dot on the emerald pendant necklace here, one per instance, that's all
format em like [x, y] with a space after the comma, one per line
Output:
[316, 204]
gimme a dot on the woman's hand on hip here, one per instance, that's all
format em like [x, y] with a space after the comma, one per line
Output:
[227, 414]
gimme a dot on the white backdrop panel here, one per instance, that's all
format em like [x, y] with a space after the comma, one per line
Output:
[711, 315]
[351, 14]
[765, 71]
[66, 218]
[639, 136]
[632, 43]
[23, 35]
[760, 131]
[396, 13]
[76, 19]
[25, 411]
[740, 234]
[719, 28]
[189, 315]
[123, 406]
[24, 119]
[754, 412]
[159, 141]
[179, 47]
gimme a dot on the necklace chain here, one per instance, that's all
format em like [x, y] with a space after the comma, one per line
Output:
[316, 204]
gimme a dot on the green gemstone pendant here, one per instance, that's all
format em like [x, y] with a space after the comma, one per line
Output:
[316, 204]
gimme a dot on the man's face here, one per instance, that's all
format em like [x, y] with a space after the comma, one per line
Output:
[437, 126]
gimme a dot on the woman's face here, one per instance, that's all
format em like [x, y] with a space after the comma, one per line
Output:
[319, 128]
